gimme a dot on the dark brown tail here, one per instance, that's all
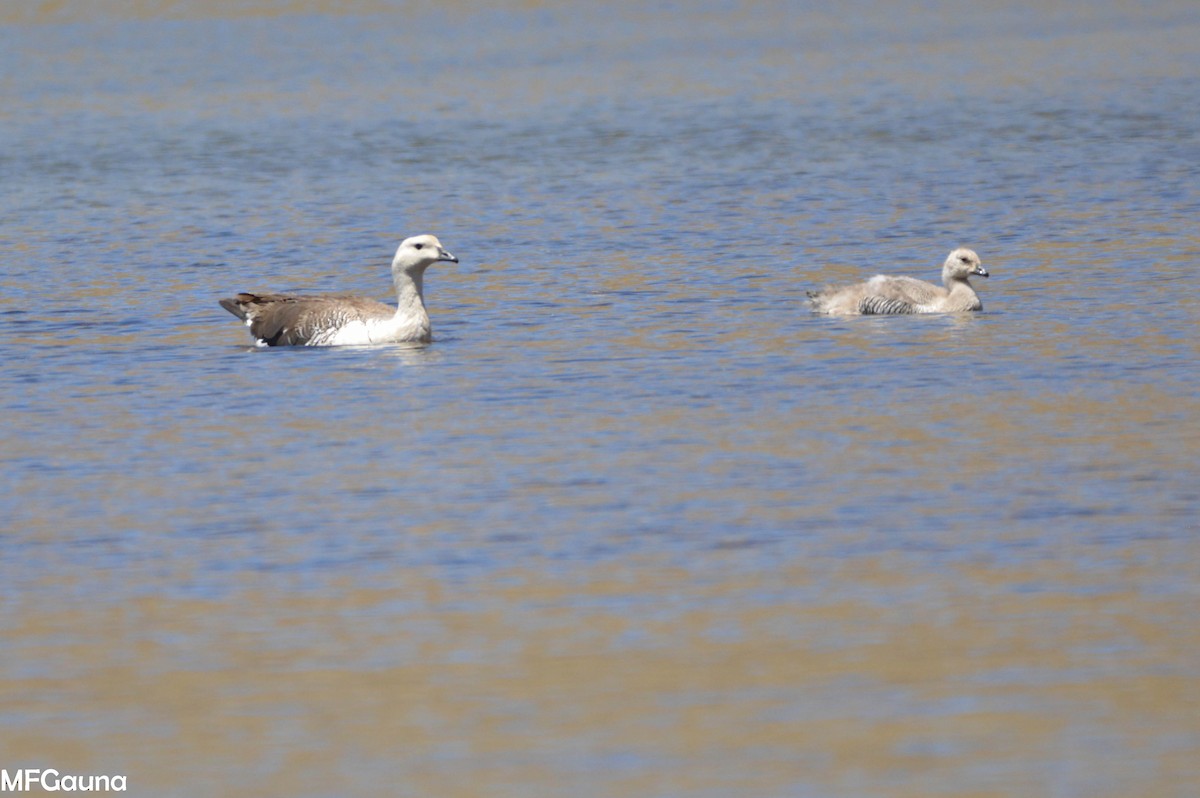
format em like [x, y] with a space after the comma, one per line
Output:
[234, 304]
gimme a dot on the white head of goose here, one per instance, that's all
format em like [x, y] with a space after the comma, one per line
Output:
[332, 319]
[883, 294]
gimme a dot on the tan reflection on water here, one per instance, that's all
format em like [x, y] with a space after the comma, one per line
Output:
[951, 682]
[44, 11]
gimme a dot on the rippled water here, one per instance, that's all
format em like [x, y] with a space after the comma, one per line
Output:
[636, 522]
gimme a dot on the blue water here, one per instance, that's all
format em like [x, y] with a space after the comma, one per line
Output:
[625, 374]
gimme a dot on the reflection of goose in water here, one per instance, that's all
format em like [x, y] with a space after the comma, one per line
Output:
[331, 319]
[883, 294]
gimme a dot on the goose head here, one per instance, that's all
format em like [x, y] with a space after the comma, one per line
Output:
[961, 264]
[417, 253]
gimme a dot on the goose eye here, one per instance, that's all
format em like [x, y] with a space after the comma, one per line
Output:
[418, 246]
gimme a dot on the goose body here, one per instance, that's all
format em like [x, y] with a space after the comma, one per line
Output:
[341, 320]
[884, 294]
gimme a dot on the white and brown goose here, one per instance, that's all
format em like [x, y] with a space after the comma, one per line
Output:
[883, 294]
[338, 320]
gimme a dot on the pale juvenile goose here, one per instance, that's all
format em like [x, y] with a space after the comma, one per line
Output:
[884, 294]
[332, 319]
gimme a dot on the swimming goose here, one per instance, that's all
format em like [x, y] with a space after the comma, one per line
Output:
[884, 294]
[332, 319]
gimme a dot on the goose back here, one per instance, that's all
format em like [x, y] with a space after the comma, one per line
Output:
[289, 320]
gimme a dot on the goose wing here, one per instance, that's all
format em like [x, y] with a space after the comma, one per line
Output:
[875, 305]
[290, 320]
[905, 289]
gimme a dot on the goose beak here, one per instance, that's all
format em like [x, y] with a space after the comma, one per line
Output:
[982, 272]
[446, 256]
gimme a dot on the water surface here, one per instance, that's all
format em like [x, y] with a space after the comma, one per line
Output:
[636, 522]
